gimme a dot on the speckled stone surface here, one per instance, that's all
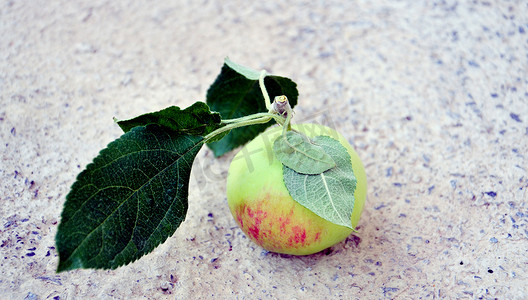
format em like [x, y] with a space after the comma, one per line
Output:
[433, 95]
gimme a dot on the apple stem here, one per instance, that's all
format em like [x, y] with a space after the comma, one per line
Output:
[282, 107]
[263, 74]
[253, 119]
[280, 104]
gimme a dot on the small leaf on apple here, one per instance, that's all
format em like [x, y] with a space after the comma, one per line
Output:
[298, 152]
[330, 194]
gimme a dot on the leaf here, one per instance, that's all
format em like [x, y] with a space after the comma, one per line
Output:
[330, 194]
[236, 94]
[243, 70]
[196, 119]
[297, 152]
[131, 198]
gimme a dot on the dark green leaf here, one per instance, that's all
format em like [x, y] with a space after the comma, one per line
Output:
[128, 201]
[234, 95]
[297, 152]
[196, 119]
[329, 195]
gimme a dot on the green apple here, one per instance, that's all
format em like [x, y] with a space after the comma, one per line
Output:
[265, 211]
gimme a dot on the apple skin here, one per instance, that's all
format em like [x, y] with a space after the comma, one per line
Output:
[263, 208]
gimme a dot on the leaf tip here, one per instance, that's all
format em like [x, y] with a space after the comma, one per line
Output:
[247, 72]
[68, 265]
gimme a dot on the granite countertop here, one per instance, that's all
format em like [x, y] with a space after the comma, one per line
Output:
[433, 96]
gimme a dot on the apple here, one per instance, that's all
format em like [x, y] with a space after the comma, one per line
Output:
[263, 208]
